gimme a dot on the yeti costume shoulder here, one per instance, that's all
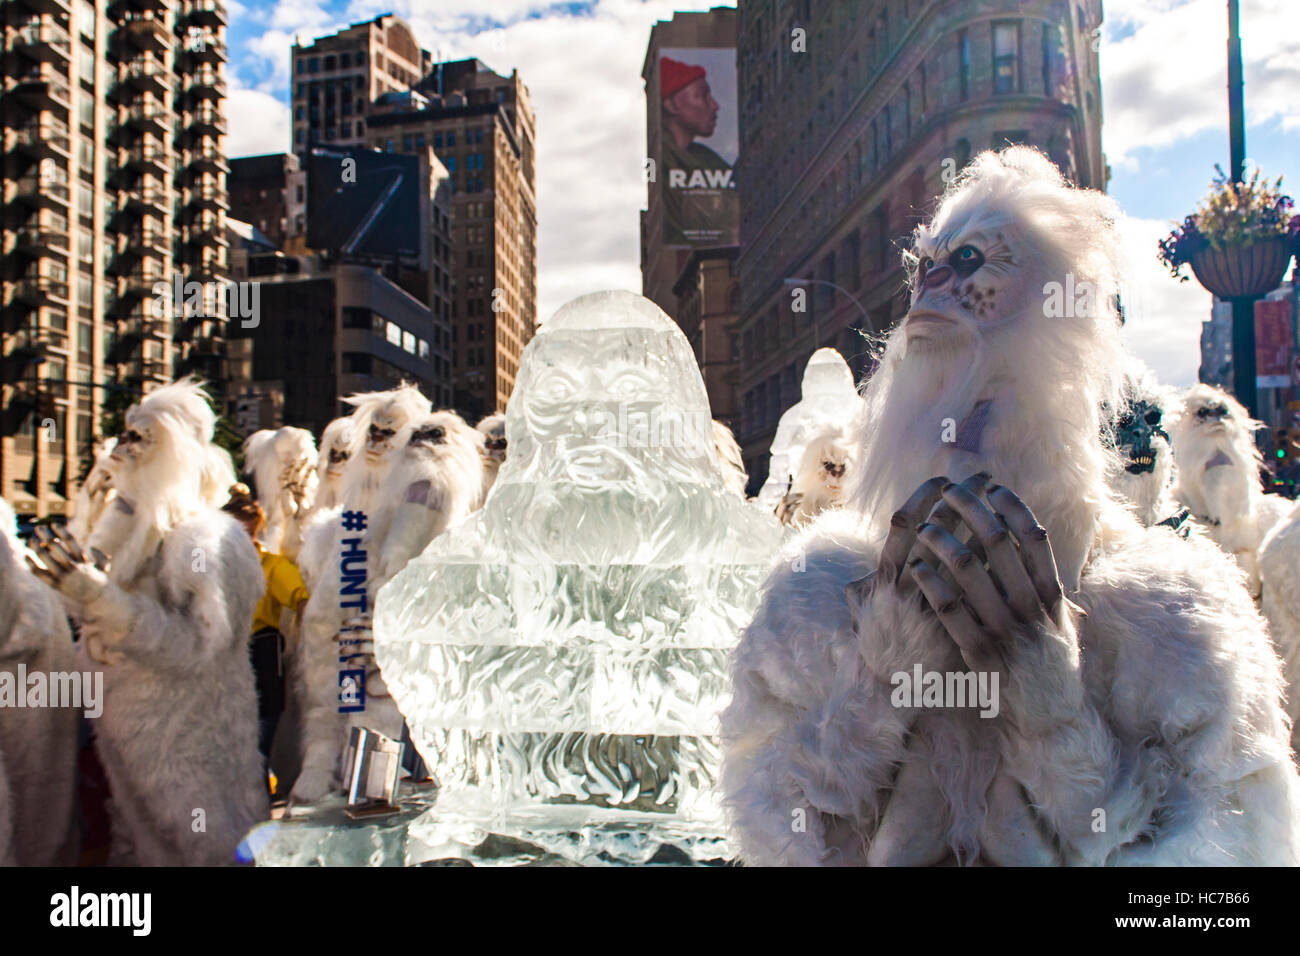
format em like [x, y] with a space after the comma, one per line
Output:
[180, 730]
[38, 746]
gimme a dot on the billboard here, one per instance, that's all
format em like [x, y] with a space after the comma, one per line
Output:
[363, 203]
[699, 144]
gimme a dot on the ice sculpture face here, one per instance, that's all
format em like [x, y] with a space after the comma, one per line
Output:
[828, 397]
[561, 656]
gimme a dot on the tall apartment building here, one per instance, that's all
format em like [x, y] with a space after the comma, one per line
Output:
[854, 116]
[337, 77]
[371, 85]
[113, 184]
[481, 126]
[708, 303]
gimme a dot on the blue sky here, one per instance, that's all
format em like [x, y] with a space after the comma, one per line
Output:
[1165, 122]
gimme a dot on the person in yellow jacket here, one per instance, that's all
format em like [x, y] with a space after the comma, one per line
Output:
[285, 591]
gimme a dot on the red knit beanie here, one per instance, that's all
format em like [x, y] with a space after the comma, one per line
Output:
[674, 75]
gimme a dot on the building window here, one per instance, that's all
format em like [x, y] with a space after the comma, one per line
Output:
[1006, 42]
[394, 334]
[313, 65]
[329, 63]
[963, 51]
[345, 60]
[356, 318]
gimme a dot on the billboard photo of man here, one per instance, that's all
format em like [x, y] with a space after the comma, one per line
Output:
[701, 206]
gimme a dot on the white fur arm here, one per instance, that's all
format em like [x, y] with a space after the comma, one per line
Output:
[1066, 757]
[415, 523]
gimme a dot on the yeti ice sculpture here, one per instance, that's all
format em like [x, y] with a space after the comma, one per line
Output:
[561, 656]
[827, 398]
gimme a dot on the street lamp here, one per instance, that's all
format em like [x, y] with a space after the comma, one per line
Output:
[795, 281]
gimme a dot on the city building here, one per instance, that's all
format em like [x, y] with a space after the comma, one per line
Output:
[664, 256]
[336, 78]
[854, 115]
[270, 192]
[114, 188]
[333, 325]
[708, 304]
[480, 124]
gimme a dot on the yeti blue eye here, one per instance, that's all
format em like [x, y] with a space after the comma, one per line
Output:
[966, 260]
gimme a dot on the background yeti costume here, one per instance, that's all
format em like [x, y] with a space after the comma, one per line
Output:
[1160, 707]
[169, 626]
[38, 746]
[1279, 599]
[1218, 475]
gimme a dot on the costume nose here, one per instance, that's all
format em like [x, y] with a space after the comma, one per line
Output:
[937, 277]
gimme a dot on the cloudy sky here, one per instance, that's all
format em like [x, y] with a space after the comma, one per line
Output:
[1164, 102]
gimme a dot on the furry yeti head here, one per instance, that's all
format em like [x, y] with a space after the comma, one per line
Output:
[493, 430]
[335, 450]
[277, 456]
[442, 443]
[827, 458]
[1214, 445]
[1008, 351]
[380, 426]
[164, 460]
[1142, 468]
[730, 461]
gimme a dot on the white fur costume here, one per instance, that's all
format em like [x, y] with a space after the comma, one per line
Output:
[381, 426]
[493, 430]
[730, 461]
[1218, 475]
[38, 745]
[96, 492]
[168, 625]
[1279, 572]
[820, 477]
[1149, 704]
[283, 465]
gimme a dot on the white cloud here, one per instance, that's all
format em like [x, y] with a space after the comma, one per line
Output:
[259, 123]
[1162, 316]
[1164, 70]
[583, 72]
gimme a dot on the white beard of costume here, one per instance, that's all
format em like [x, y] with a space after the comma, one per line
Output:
[1218, 478]
[283, 465]
[169, 631]
[38, 745]
[381, 426]
[1160, 706]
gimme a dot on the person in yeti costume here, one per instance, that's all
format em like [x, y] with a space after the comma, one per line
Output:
[1134, 714]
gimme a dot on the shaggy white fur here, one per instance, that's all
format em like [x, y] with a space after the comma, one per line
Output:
[493, 429]
[1279, 572]
[1219, 475]
[283, 465]
[168, 625]
[1139, 724]
[335, 450]
[820, 477]
[96, 492]
[38, 746]
[381, 428]
[730, 461]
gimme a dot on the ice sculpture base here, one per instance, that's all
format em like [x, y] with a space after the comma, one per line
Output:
[419, 835]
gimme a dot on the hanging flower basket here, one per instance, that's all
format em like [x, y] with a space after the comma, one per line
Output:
[1243, 272]
[1239, 241]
